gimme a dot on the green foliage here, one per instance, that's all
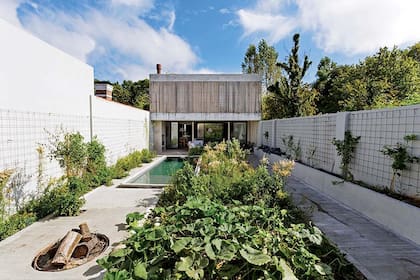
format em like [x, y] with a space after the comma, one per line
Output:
[201, 239]
[135, 159]
[296, 99]
[70, 152]
[14, 223]
[387, 79]
[401, 157]
[58, 200]
[97, 173]
[4, 203]
[132, 93]
[228, 222]
[262, 60]
[196, 151]
[293, 150]
[345, 149]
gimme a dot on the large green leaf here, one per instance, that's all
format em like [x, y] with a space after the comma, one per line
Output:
[255, 257]
[180, 244]
[209, 251]
[140, 271]
[287, 272]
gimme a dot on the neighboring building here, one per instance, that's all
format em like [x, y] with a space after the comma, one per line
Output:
[104, 90]
[208, 107]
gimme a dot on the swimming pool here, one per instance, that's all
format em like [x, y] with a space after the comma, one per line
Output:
[159, 175]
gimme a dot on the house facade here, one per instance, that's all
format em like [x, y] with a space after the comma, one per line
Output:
[202, 108]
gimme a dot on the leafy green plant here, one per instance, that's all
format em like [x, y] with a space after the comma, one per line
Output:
[266, 135]
[196, 151]
[96, 173]
[58, 200]
[70, 152]
[310, 155]
[401, 158]
[40, 180]
[293, 150]
[202, 239]
[4, 202]
[346, 148]
[14, 223]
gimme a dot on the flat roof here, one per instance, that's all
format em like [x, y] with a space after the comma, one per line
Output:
[205, 77]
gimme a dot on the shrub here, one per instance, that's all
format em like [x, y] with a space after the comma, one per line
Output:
[58, 200]
[147, 156]
[70, 152]
[14, 223]
[97, 173]
[196, 151]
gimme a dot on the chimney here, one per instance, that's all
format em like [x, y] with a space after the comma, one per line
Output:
[158, 68]
[103, 90]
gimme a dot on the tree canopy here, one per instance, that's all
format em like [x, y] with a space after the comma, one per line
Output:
[132, 93]
[290, 96]
[262, 60]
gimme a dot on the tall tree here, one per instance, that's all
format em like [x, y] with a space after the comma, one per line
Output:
[132, 93]
[296, 98]
[262, 60]
[250, 64]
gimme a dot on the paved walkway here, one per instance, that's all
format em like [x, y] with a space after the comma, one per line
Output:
[105, 211]
[376, 252]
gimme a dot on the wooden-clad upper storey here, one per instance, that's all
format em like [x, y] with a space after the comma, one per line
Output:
[205, 93]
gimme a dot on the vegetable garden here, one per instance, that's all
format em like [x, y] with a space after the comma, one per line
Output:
[230, 221]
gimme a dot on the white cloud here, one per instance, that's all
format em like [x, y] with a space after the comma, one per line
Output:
[276, 27]
[77, 44]
[118, 38]
[144, 4]
[224, 11]
[172, 18]
[350, 27]
[8, 11]
[360, 26]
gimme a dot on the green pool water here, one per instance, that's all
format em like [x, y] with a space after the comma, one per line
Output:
[161, 173]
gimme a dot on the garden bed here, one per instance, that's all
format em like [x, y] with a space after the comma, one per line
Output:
[229, 222]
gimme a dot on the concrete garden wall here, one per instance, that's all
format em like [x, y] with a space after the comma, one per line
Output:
[376, 128]
[44, 91]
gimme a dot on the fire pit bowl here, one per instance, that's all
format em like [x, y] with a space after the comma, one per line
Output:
[60, 255]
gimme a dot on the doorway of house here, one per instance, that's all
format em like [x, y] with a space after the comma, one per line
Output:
[178, 134]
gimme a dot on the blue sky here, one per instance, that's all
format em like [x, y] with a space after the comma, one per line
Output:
[124, 39]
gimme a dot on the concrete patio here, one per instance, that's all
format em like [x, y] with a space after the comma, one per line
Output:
[104, 212]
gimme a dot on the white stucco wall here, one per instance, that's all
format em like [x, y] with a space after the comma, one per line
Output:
[35, 76]
[45, 91]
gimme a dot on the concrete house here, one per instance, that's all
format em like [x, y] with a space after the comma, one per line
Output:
[199, 108]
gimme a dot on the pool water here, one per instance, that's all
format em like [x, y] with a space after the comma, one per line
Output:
[161, 173]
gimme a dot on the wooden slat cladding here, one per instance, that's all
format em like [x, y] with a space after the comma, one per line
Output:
[205, 97]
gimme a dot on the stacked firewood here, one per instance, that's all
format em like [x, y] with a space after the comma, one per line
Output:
[76, 247]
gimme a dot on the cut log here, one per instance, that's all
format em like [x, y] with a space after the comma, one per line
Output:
[84, 230]
[83, 249]
[66, 248]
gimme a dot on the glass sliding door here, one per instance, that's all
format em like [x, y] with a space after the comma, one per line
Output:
[238, 131]
[174, 135]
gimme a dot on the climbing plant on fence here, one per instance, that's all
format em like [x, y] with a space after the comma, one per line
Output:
[401, 158]
[345, 149]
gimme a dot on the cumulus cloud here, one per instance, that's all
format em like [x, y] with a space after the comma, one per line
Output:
[144, 4]
[117, 39]
[8, 11]
[350, 27]
[360, 26]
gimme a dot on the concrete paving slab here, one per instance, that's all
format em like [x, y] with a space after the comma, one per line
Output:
[104, 211]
